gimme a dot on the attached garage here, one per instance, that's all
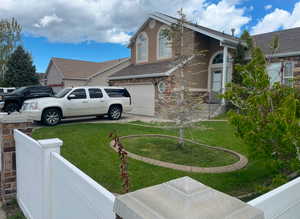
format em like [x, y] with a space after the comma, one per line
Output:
[143, 98]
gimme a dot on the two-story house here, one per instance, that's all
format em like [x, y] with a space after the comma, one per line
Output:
[151, 75]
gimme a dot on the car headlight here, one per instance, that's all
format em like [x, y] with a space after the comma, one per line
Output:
[33, 106]
[30, 106]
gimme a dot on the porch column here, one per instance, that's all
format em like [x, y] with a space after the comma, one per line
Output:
[224, 74]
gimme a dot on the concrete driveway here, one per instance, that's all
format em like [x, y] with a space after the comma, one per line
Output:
[92, 119]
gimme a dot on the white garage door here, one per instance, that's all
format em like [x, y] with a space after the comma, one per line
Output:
[142, 97]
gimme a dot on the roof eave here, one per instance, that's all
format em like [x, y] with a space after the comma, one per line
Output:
[154, 75]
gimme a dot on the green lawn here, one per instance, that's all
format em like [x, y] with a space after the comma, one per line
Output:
[169, 150]
[87, 147]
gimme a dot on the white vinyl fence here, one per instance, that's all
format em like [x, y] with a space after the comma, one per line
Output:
[280, 203]
[50, 187]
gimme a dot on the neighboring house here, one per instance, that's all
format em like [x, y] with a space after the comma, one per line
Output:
[150, 77]
[285, 63]
[42, 78]
[69, 73]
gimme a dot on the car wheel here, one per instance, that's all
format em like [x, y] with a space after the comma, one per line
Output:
[51, 117]
[11, 107]
[115, 112]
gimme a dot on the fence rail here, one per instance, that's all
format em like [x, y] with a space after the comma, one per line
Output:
[50, 187]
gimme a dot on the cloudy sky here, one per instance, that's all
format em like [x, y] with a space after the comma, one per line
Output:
[98, 30]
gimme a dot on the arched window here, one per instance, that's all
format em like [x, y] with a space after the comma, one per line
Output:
[142, 48]
[164, 44]
[218, 59]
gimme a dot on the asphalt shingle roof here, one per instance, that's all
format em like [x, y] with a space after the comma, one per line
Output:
[289, 40]
[144, 69]
[82, 69]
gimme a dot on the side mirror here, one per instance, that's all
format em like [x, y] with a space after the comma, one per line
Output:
[71, 96]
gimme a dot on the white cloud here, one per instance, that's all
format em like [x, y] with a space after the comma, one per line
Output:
[268, 7]
[48, 20]
[278, 19]
[223, 16]
[113, 20]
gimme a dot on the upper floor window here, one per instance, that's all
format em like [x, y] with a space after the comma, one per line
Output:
[164, 44]
[142, 48]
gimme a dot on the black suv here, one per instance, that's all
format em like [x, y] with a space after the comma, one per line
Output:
[14, 101]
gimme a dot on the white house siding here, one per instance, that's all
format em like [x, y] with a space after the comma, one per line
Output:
[74, 83]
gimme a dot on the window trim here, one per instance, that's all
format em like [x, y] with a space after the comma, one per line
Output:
[288, 77]
[147, 48]
[159, 57]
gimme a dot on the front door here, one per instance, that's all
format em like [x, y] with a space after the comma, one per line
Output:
[216, 86]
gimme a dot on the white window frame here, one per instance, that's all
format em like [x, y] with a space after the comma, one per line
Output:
[147, 48]
[282, 72]
[159, 57]
[291, 77]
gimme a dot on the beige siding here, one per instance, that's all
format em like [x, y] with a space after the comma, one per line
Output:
[102, 78]
[54, 76]
[74, 83]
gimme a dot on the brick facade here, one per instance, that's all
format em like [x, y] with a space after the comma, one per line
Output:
[8, 157]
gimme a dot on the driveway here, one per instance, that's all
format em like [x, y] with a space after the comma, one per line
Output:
[125, 118]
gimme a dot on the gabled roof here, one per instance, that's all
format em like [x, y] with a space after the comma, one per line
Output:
[77, 69]
[166, 19]
[289, 42]
[158, 69]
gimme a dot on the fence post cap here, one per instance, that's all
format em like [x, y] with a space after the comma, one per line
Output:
[51, 143]
[183, 198]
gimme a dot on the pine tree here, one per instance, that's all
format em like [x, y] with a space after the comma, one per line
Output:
[20, 69]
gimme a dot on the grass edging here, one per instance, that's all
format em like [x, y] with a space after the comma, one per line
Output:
[243, 161]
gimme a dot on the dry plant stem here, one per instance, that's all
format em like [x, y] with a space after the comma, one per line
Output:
[124, 161]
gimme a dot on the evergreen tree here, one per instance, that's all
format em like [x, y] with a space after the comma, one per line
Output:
[20, 69]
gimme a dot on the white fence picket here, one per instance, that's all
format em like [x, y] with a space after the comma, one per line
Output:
[50, 187]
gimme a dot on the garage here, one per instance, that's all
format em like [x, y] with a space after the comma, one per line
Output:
[143, 98]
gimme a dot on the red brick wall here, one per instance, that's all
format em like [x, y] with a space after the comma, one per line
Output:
[8, 163]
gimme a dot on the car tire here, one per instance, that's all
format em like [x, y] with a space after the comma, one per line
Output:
[51, 117]
[115, 112]
[11, 107]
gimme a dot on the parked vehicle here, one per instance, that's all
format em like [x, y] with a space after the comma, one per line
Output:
[6, 90]
[13, 101]
[79, 101]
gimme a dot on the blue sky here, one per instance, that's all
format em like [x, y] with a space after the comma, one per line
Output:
[99, 30]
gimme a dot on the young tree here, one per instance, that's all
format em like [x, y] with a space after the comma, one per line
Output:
[241, 54]
[10, 35]
[266, 114]
[20, 69]
[185, 103]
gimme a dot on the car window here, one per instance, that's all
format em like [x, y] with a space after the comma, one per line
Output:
[95, 93]
[63, 92]
[113, 92]
[10, 90]
[1, 90]
[79, 94]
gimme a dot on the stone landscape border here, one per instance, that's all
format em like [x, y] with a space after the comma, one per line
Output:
[243, 161]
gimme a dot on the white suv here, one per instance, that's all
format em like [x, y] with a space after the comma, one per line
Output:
[79, 101]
